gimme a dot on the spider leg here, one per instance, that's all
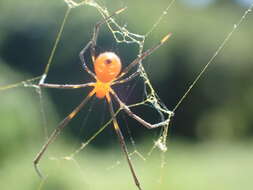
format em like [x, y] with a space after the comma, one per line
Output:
[122, 141]
[92, 43]
[143, 56]
[136, 117]
[57, 131]
[66, 86]
[81, 55]
[132, 76]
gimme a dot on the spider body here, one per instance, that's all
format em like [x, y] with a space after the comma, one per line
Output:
[107, 67]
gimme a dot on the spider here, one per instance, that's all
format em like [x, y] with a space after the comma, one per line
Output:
[107, 68]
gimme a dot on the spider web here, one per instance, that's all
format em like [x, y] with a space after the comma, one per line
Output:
[122, 35]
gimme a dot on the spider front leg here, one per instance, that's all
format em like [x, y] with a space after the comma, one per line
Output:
[129, 78]
[92, 43]
[81, 55]
[66, 86]
[143, 56]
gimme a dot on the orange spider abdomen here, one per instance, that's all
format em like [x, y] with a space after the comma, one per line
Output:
[107, 66]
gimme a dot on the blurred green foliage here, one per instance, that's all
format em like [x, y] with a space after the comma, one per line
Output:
[217, 114]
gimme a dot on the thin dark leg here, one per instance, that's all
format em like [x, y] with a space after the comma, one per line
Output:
[136, 117]
[132, 76]
[56, 132]
[66, 86]
[81, 55]
[143, 56]
[122, 143]
[92, 43]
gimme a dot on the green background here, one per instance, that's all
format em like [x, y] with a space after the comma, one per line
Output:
[210, 141]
